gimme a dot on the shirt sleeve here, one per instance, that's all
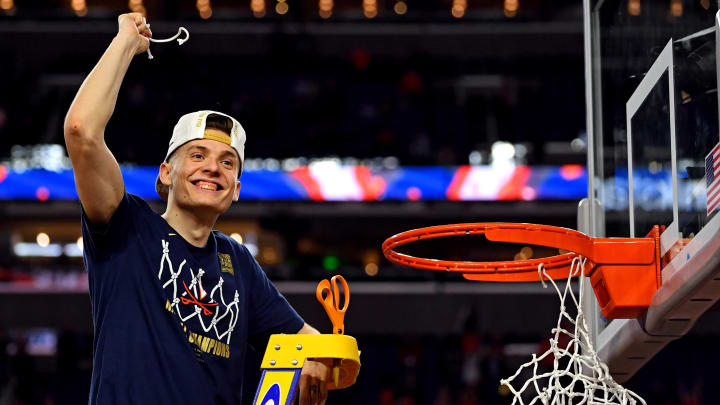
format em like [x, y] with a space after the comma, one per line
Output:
[102, 240]
[269, 311]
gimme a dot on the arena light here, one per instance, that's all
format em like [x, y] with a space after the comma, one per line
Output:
[290, 164]
[528, 193]
[137, 7]
[270, 255]
[370, 9]
[634, 7]
[676, 8]
[521, 151]
[238, 238]
[413, 193]
[654, 167]
[325, 165]
[258, 8]
[370, 260]
[458, 8]
[42, 239]
[41, 342]
[571, 172]
[72, 250]
[371, 269]
[79, 7]
[475, 158]
[252, 248]
[7, 6]
[524, 254]
[331, 263]
[511, 8]
[400, 8]
[42, 193]
[205, 13]
[325, 8]
[391, 163]
[578, 145]
[282, 7]
[204, 9]
[502, 151]
[51, 157]
[25, 249]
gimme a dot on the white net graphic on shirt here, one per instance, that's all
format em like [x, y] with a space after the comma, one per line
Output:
[194, 296]
[578, 376]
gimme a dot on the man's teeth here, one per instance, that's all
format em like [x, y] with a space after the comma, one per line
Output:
[207, 186]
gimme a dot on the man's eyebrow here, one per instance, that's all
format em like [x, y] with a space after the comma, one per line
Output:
[228, 153]
[201, 148]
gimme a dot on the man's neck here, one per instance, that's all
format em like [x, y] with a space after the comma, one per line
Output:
[192, 227]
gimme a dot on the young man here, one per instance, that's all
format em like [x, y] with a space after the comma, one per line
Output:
[174, 303]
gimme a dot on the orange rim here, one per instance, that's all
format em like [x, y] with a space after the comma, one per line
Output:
[625, 250]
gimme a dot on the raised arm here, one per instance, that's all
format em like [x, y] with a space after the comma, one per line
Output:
[97, 175]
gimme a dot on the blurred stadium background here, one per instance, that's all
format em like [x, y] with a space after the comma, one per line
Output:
[364, 119]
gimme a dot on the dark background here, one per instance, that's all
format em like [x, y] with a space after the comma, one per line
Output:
[425, 87]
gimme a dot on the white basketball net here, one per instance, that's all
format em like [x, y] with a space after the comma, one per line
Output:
[578, 375]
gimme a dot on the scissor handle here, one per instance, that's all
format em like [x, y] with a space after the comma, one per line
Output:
[336, 292]
[331, 302]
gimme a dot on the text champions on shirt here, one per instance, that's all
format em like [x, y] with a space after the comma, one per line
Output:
[203, 343]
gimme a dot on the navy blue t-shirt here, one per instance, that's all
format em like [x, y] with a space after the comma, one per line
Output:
[172, 321]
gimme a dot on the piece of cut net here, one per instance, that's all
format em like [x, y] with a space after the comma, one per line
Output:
[578, 376]
[180, 41]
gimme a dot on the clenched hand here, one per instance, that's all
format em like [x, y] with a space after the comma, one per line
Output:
[133, 27]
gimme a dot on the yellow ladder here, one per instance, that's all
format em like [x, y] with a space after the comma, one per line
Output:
[285, 356]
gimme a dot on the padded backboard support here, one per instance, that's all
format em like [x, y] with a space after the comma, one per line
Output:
[652, 110]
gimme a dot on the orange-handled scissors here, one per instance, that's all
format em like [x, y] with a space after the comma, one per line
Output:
[331, 301]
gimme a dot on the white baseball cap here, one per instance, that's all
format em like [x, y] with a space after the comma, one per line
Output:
[191, 127]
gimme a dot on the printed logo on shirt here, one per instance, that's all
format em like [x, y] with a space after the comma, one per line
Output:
[206, 306]
[189, 298]
[203, 343]
[209, 345]
[226, 264]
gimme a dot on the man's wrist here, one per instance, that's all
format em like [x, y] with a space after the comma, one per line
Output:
[128, 43]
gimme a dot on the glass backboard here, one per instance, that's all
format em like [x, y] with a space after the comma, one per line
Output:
[653, 125]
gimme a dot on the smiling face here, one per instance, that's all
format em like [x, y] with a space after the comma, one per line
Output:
[202, 174]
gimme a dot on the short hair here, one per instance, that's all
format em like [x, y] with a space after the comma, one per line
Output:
[219, 122]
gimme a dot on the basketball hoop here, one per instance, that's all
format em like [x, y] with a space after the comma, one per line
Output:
[624, 272]
[578, 376]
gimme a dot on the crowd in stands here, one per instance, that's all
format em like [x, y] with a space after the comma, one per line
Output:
[353, 104]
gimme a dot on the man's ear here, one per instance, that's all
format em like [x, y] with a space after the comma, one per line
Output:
[236, 196]
[165, 169]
